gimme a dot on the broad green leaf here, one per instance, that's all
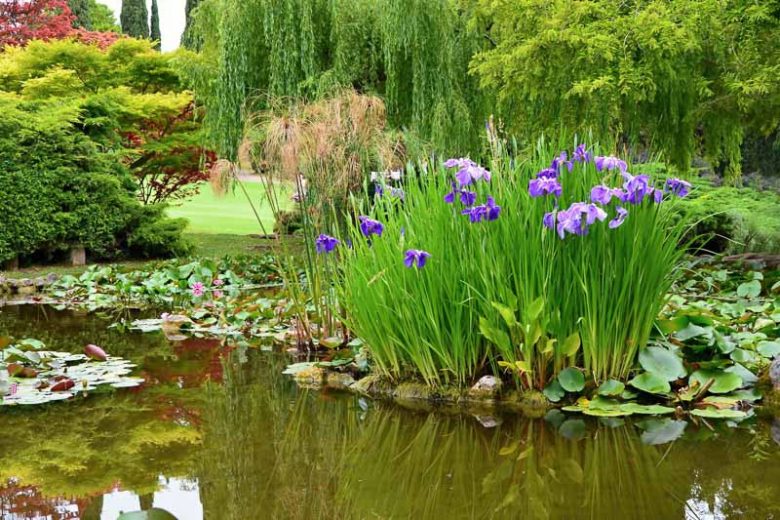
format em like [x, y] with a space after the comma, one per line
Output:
[742, 355]
[769, 349]
[571, 345]
[522, 367]
[662, 362]
[571, 379]
[554, 392]
[507, 313]
[603, 403]
[611, 388]
[646, 409]
[723, 382]
[673, 325]
[535, 309]
[748, 377]
[610, 412]
[651, 383]
[495, 335]
[749, 289]
[716, 413]
[692, 331]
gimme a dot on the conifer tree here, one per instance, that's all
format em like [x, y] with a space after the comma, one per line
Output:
[155, 29]
[188, 39]
[135, 18]
[81, 12]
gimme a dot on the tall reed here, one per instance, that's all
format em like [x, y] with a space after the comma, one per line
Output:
[506, 290]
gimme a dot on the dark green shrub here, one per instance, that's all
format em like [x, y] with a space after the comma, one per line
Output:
[158, 236]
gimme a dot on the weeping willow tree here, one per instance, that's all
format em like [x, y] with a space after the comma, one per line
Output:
[415, 53]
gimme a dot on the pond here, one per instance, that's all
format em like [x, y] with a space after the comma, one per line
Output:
[218, 432]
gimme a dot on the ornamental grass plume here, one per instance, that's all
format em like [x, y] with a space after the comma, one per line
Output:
[518, 274]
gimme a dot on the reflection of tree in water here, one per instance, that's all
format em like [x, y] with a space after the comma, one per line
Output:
[84, 449]
[272, 451]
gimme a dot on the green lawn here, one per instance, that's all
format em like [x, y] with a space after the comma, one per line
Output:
[227, 214]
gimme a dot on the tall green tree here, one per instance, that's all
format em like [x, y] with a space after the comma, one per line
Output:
[687, 77]
[188, 38]
[155, 29]
[414, 52]
[102, 17]
[81, 12]
[135, 18]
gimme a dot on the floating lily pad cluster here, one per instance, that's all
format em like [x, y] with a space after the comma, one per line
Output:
[30, 375]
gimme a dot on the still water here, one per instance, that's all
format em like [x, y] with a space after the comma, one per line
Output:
[218, 433]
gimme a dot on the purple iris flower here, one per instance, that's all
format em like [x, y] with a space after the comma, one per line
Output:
[550, 173]
[489, 211]
[658, 195]
[544, 185]
[578, 218]
[468, 171]
[369, 226]
[581, 154]
[610, 163]
[467, 198]
[677, 187]
[601, 194]
[637, 188]
[326, 243]
[416, 256]
[561, 160]
[398, 193]
[549, 220]
[616, 222]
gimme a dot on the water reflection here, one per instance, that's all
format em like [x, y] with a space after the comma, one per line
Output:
[237, 440]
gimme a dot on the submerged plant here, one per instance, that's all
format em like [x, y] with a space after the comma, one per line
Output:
[572, 274]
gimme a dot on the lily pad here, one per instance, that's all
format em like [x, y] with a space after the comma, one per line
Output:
[646, 409]
[748, 377]
[554, 392]
[769, 349]
[716, 413]
[651, 383]
[611, 388]
[571, 380]
[662, 362]
[723, 381]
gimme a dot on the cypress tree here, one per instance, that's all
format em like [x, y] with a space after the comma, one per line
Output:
[135, 18]
[155, 32]
[80, 9]
[188, 39]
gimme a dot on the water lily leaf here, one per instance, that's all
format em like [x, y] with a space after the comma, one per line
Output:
[723, 382]
[748, 377]
[651, 383]
[612, 412]
[30, 343]
[611, 388]
[573, 429]
[554, 392]
[715, 413]
[749, 289]
[662, 362]
[769, 349]
[662, 431]
[571, 379]
[673, 325]
[628, 394]
[603, 403]
[720, 401]
[646, 409]
[750, 395]
[693, 331]
[742, 355]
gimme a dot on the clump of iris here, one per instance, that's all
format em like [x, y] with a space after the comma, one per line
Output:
[579, 216]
